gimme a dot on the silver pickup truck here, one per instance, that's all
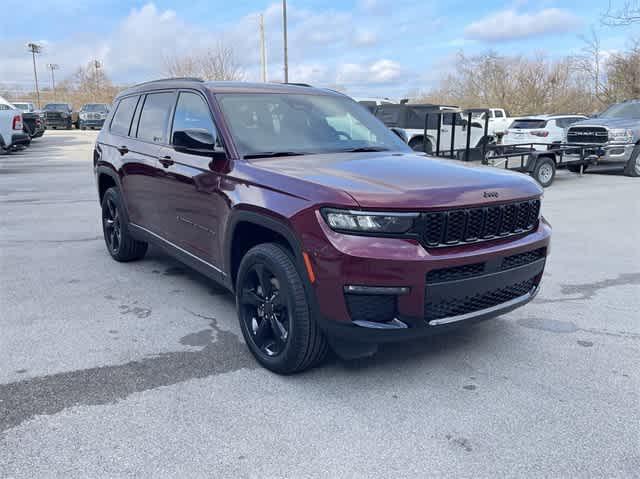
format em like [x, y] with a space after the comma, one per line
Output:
[617, 131]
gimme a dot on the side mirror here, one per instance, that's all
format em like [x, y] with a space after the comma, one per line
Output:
[196, 142]
[401, 134]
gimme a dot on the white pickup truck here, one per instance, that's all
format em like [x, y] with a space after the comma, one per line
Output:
[499, 119]
[411, 119]
[11, 127]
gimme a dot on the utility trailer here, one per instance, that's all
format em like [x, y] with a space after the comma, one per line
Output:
[541, 164]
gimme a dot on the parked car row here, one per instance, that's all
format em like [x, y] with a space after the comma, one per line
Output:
[12, 134]
[542, 143]
[20, 122]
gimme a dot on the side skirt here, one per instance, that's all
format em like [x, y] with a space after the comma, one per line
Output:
[198, 264]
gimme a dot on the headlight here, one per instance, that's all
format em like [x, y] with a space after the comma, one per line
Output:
[620, 135]
[83, 116]
[368, 221]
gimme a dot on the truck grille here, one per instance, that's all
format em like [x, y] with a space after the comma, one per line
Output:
[450, 228]
[450, 307]
[587, 134]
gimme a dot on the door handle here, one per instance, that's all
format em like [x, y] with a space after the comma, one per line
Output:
[166, 161]
[123, 150]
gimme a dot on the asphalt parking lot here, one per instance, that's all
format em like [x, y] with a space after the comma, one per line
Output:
[139, 370]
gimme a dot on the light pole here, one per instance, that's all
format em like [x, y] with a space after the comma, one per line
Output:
[97, 65]
[286, 53]
[263, 50]
[35, 49]
[53, 67]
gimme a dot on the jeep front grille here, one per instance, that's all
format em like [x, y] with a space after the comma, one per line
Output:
[463, 226]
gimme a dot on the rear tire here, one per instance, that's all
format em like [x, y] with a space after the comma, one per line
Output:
[274, 314]
[633, 165]
[120, 244]
[544, 171]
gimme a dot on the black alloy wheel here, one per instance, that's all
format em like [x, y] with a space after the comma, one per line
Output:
[120, 244]
[112, 225]
[265, 310]
[274, 313]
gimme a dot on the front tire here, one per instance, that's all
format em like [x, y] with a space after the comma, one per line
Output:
[275, 317]
[633, 165]
[120, 244]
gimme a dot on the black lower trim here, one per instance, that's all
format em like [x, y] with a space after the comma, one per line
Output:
[418, 327]
[200, 265]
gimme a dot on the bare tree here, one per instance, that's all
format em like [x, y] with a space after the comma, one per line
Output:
[628, 14]
[218, 63]
[590, 64]
[521, 85]
[623, 74]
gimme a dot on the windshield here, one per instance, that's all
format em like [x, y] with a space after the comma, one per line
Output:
[56, 106]
[268, 123]
[94, 107]
[24, 106]
[476, 114]
[622, 110]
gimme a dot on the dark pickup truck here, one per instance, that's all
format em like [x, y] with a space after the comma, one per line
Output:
[59, 115]
[329, 230]
[32, 120]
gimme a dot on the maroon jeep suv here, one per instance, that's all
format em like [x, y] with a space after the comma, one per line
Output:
[329, 230]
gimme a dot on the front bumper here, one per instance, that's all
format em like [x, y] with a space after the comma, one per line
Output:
[428, 307]
[58, 122]
[610, 153]
[91, 123]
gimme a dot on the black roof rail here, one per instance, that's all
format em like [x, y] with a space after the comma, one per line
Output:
[169, 79]
[298, 84]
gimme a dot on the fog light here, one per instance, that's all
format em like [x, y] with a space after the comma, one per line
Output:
[352, 289]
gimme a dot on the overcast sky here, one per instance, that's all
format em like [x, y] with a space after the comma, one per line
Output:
[368, 47]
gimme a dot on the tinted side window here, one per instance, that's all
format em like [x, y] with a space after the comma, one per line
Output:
[499, 114]
[192, 112]
[155, 117]
[122, 117]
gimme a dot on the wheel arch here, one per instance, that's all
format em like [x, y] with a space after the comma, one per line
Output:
[247, 229]
[107, 177]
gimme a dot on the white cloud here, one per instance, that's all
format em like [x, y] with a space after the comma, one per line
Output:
[510, 25]
[325, 48]
[364, 38]
[380, 71]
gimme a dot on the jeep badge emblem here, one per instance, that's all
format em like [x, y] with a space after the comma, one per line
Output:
[490, 194]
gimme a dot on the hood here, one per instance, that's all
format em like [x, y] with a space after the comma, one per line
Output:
[610, 122]
[405, 180]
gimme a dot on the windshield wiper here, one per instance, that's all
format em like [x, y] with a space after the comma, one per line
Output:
[364, 149]
[273, 154]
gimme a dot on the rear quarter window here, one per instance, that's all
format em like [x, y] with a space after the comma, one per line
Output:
[121, 122]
